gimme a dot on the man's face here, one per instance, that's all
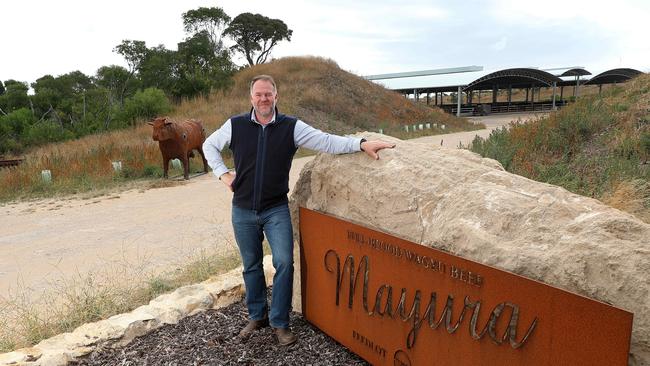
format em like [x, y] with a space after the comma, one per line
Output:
[263, 98]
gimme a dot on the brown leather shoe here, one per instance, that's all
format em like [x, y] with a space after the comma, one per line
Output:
[252, 326]
[285, 337]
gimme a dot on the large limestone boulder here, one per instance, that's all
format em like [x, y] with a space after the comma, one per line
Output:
[454, 200]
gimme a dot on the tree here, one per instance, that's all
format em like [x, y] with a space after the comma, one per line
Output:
[145, 104]
[62, 98]
[117, 80]
[199, 69]
[2, 88]
[158, 69]
[114, 84]
[134, 53]
[14, 97]
[209, 20]
[12, 128]
[255, 34]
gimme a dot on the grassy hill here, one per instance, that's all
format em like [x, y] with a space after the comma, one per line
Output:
[314, 89]
[319, 92]
[598, 147]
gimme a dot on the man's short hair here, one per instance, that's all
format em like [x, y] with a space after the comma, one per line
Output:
[265, 78]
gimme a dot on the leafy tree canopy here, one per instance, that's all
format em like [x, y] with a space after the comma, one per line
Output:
[112, 77]
[209, 20]
[199, 68]
[133, 51]
[159, 69]
[255, 35]
[14, 97]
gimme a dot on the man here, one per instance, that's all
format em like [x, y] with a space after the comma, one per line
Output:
[263, 143]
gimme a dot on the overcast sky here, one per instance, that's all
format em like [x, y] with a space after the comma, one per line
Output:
[42, 37]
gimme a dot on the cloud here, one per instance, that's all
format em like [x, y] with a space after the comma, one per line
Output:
[501, 44]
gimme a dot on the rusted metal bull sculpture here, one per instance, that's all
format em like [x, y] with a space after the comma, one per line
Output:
[177, 140]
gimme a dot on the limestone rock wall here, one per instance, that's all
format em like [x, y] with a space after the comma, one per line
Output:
[454, 200]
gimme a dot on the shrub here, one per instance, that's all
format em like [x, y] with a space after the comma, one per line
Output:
[145, 104]
[498, 146]
[16, 122]
[45, 132]
[154, 171]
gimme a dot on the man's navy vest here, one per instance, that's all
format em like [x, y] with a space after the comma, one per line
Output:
[262, 161]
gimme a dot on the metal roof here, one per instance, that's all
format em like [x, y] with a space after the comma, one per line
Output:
[517, 77]
[614, 76]
[433, 83]
[575, 72]
[568, 71]
[452, 70]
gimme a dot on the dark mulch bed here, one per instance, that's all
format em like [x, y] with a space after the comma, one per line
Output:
[209, 338]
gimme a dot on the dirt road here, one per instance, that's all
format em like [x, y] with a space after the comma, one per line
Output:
[492, 122]
[45, 241]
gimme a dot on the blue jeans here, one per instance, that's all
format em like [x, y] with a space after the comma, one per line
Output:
[250, 227]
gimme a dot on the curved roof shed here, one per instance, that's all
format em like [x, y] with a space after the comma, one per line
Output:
[614, 76]
[517, 77]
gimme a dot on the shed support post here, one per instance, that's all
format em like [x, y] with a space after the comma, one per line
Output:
[554, 84]
[532, 95]
[509, 96]
[458, 102]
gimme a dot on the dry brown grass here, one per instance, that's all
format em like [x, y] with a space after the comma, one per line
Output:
[631, 196]
[319, 92]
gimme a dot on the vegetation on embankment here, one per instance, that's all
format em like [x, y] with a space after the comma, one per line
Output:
[314, 89]
[598, 147]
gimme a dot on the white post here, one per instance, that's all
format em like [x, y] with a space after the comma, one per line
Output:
[117, 166]
[46, 176]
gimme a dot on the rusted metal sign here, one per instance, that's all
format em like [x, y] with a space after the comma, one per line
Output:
[394, 302]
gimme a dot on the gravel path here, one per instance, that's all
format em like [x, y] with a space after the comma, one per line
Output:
[209, 338]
